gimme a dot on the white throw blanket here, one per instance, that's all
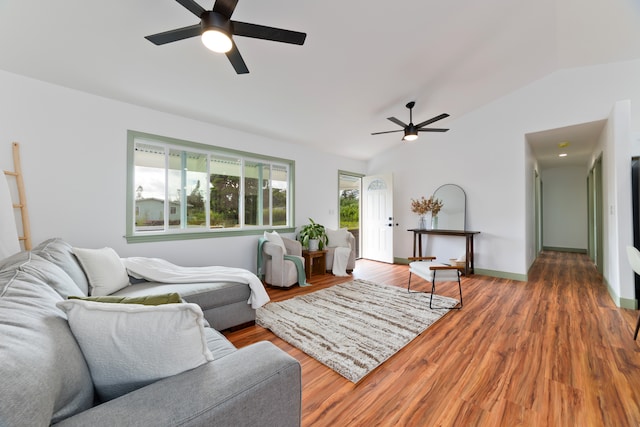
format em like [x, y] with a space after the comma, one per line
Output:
[162, 271]
[340, 261]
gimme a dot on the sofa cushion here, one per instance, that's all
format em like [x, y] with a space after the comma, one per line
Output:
[224, 304]
[14, 261]
[218, 344]
[128, 346]
[206, 295]
[60, 253]
[46, 271]
[172, 298]
[103, 268]
[43, 375]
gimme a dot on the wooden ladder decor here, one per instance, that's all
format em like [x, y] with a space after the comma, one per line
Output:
[22, 205]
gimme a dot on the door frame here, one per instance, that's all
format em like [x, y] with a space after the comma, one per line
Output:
[359, 177]
[377, 244]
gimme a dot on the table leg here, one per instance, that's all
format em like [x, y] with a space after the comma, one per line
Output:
[468, 263]
[307, 267]
[471, 254]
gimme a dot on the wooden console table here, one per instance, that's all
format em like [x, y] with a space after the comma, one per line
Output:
[319, 266]
[468, 235]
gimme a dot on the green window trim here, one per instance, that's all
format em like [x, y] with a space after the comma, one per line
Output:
[264, 199]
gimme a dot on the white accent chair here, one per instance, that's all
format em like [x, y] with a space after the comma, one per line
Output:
[277, 270]
[332, 244]
[433, 272]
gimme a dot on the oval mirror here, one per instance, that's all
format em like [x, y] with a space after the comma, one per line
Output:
[452, 216]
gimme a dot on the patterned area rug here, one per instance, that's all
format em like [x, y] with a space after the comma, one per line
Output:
[353, 327]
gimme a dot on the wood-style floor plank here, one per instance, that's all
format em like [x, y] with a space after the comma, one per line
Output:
[553, 351]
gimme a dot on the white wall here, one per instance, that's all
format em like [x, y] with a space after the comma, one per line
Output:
[73, 150]
[486, 153]
[618, 226]
[564, 204]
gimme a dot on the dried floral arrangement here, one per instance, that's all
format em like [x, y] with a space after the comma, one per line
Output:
[436, 205]
[423, 206]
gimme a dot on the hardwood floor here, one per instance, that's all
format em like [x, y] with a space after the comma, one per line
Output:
[553, 351]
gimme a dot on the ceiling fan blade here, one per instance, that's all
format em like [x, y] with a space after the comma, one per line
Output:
[225, 7]
[175, 35]
[267, 33]
[236, 60]
[389, 131]
[432, 130]
[435, 119]
[398, 122]
[192, 7]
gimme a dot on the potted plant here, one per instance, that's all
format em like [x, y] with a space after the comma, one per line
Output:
[313, 236]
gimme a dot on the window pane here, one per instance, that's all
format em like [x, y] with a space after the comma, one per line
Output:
[149, 183]
[187, 172]
[196, 189]
[279, 193]
[180, 186]
[225, 192]
[256, 193]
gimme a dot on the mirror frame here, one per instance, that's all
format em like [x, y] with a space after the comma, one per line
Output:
[464, 194]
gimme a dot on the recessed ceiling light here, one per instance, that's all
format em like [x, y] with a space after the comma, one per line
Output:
[562, 155]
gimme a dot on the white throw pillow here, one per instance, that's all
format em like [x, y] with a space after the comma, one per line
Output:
[128, 346]
[338, 238]
[276, 239]
[103, 268]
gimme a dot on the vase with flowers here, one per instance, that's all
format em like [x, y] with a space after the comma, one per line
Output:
[436, 205]
[424, 206]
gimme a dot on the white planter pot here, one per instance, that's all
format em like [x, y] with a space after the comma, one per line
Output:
[313, 244]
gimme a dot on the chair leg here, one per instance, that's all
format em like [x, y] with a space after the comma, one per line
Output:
[409, 287]
[433, 291]
[460, 288]
[635, 335]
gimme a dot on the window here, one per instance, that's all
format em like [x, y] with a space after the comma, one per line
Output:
[181, 190]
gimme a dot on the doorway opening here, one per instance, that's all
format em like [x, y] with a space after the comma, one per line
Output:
[349, 205]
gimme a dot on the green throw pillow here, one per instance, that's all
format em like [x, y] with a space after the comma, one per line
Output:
[171, 298]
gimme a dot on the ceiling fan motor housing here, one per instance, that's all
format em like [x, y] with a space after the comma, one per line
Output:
[215, 20]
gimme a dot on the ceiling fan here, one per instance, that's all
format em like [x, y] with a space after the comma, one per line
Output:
[410, 130]
[216, 29]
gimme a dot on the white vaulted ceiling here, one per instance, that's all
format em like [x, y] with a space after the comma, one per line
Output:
[361, 63]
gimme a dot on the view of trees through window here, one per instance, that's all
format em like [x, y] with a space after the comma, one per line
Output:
[350, 208]
[178, 188]
[349, 196]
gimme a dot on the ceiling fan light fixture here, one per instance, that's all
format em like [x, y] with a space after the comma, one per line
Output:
[216, 32]
[410, 133]
[410, 137]
[216, 40]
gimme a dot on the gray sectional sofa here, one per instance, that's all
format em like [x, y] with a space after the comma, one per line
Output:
[46, 378]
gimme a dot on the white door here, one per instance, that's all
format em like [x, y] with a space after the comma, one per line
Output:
[377, 218]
